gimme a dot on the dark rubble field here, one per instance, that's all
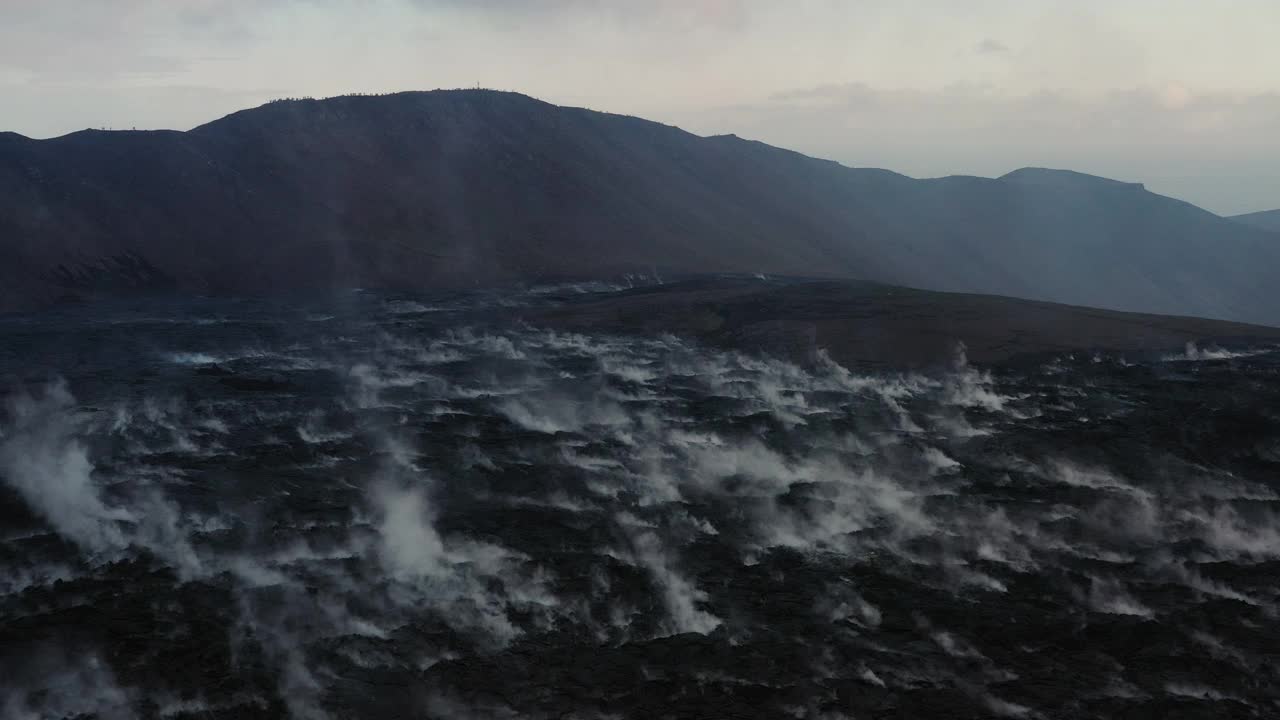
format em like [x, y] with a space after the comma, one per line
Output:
[393, 507]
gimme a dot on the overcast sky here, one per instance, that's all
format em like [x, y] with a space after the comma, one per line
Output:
[1181, 94]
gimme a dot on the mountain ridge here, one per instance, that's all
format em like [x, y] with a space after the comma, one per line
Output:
[440, 189]
[1265, 219]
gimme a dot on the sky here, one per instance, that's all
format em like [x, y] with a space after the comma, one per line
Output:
[1183, 95]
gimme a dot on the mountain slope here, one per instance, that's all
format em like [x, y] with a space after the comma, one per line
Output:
[451, 188]
[1266, 220]
[864, 324]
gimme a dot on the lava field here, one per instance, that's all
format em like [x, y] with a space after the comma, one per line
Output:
[384, 508]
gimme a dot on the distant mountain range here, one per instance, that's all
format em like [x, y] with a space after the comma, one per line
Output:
[1267, 219]
[471, 187]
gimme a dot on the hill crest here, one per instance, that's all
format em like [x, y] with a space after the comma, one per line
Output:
[436, 189]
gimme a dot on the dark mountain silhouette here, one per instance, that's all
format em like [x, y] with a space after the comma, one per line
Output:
[866, 324]
[458, 188]
[1266, 220]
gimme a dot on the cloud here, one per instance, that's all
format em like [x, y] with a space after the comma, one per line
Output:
[1172, 107]
[990, 47]
[984, 118]
[58, 42]
[722, 14]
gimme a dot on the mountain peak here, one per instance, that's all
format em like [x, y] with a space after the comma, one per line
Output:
[340, 106]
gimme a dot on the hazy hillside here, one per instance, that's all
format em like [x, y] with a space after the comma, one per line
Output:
[452, 188]
[1267, 219]
[865, 324]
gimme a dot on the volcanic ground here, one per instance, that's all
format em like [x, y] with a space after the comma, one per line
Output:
[379, 507]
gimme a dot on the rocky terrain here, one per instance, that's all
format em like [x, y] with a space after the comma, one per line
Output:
[593, 502]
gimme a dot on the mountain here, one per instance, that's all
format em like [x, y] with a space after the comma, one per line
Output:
[1266, 220]
[867, 325]
[462, 188]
